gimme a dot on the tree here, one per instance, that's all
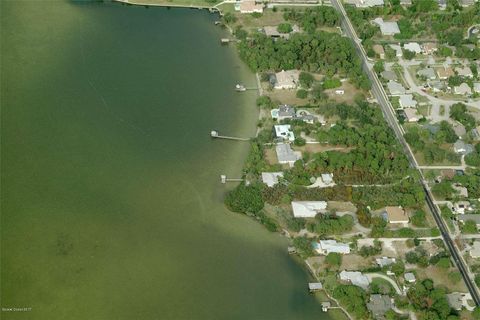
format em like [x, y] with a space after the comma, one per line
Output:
[245, 199]
[418, 218]
[333, 259]
[284, 28]
[407, 54]
[306, 79]
[398, 268]
[469, 227]
[476, 313]
[303, 246]
[379, 67]
[353, 298]
[302, 94]
[443, 263]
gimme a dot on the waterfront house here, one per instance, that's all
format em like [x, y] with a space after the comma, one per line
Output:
[284, 131]
[379, 304]
[286, 79]
[308, 209]
[271, 178]
[413, 47]
[272, 32]
[407, 101]
[463, 89]
[328, 246]
[395, 215]
[475, 249]
[356, 278]
[388, 28]
[285, 154]
[395, 88]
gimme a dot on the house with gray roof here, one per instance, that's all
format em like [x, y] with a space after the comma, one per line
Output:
[428, 73]
[455, 300]
[476, 87]
[356, 278]
[389, 75]
[395, 88]
[407, 101]
[409, 277]
[379, 304]
[388, 28]
[271, 178]
[286, 155]
[461, 147]
[385, 261]
[283, 112]
[365, 3]
[463, 89]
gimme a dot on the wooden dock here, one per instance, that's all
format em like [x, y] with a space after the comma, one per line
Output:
[214, 134]
[224, 179]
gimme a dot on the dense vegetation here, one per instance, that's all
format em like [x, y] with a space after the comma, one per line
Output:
[312, 18]
[353, 298]
[319, 52]
[430, 302]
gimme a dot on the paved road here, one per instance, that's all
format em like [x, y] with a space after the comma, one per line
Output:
[387, 109]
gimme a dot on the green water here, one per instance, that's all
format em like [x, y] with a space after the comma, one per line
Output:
[111, 203]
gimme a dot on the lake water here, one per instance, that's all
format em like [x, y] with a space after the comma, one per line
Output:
[111, 201]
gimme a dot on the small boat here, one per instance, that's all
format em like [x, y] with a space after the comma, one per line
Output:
[217, 22]
[240, 87]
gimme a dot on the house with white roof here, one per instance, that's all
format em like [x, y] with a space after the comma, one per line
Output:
[284, 132]
[308, 209]
[469, 217]
[460, 207]
[328, 246]
[356, 278]
[286, 79]
[388, 28]
[461, 190]
[327, 178]
[285, 154]
[463, 89]
[271, 178]
[407, 101]
[413, 46]
[395, 88]
[365, 3]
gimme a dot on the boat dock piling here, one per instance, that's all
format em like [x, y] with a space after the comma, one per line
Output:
[214, 134]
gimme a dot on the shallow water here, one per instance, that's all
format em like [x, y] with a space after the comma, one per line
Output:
[111, 201]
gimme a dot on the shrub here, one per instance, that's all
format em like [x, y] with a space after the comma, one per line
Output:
[245, 199]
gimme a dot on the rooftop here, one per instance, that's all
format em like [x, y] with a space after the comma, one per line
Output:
[327, 246]
[307, 209]
[396, 215]
[413, 46]
[379, 304]
[395, 88]
[271, 178]
[356, 278]
[407, 101]
[387, 28]
[285, 154]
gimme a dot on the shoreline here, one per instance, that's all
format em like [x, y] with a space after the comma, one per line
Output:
[343, 315]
